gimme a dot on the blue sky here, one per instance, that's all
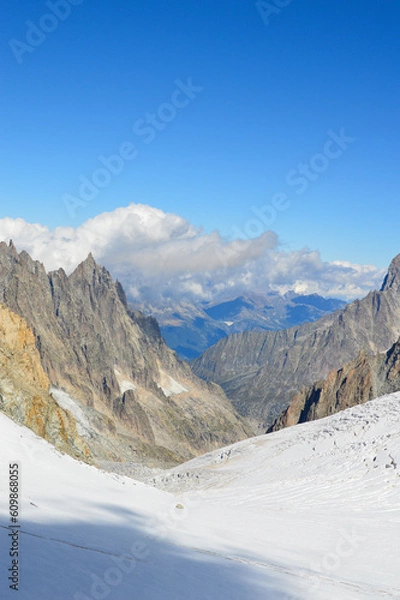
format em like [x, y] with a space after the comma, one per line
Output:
[270, 92]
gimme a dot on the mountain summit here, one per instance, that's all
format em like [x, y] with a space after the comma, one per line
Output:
[392, 278]
[110, 366]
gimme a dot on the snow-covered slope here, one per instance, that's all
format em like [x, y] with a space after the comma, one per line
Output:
[310, 512]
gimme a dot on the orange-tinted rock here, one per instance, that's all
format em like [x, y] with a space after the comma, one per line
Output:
[24, 388]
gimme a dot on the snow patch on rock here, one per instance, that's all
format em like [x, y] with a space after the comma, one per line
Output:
[65, 401]
[124, 383]
[170, 386]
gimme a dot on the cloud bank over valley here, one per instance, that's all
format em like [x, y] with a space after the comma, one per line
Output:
[161, 257]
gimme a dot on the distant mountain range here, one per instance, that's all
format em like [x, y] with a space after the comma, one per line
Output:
[262, 371]
[190, 329]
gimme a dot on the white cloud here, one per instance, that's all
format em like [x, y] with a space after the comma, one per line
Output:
[158, 255]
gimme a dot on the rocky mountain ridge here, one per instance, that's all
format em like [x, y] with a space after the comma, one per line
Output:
[363, 379]
[262, 371]
[135, 398]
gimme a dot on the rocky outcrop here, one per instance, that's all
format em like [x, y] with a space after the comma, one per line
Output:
[365, 378]
[261, 372]
[95, 349]
[24, 389]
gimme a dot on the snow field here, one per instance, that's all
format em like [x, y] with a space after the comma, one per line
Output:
[311, 512]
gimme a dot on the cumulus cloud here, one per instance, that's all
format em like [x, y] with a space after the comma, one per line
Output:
[162, 257]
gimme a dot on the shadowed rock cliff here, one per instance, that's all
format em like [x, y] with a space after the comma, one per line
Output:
[365, 378]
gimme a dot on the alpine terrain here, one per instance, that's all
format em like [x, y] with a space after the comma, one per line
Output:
[99, 374]
[262, 371]
[366, 377]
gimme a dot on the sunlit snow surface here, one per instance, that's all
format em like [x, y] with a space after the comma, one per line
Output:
[311, 512]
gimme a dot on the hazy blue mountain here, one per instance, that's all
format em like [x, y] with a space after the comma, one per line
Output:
[190, 329]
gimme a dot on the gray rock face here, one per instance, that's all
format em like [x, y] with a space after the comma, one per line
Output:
[261, 372]
[392, 279]
[363, 379]
[139, 399]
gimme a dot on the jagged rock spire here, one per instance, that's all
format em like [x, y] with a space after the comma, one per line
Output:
[9, 249]
[89, 262]
[392, 279]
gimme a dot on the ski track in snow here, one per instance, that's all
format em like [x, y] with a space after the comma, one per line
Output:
[264, 565]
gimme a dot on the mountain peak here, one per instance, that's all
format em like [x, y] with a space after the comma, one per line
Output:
[12, 247]
[392, 279]
[86, 268]
[89, 261]
[9, 249]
